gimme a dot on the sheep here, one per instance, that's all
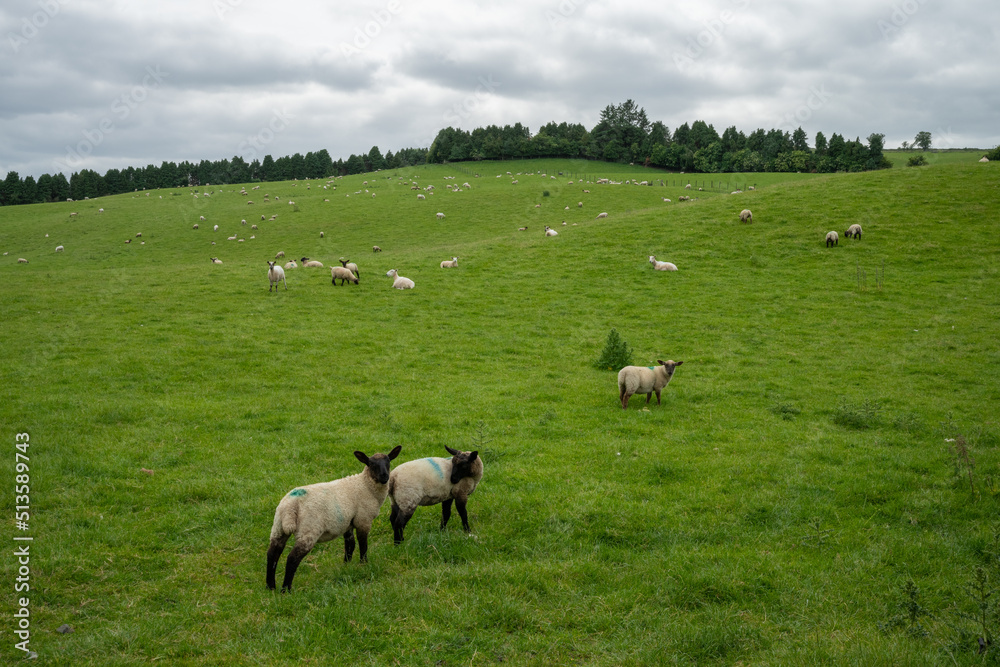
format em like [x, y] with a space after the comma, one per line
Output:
[275, 274]
[59, 248]
[253, 227]
[853, 231]
[398, 281]
[375, 248]
[128, 240]
[832, 239]
[602, 215]
[22, 260]
[421, 197]
[321, 512]
[232, 238]
[579, 204]
[662, 266]
[440, 216]
[550, 232]
[311, 263]
[202, 218]
[216, 260]
[195, 226]
[321, 234]
[101, 210]
[73, 215]
[350, 266]
[137, 235]
[450, 264]
[522, 229]
[645, 380]
[687, 187]
[291, 264]
[215, 229]
[344, 274]
[431, 481]
[746, 216]
[279, 254]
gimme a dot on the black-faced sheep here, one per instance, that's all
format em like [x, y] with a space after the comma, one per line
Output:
[832, 239]
[350, 266]
[342, 274]
[645, 380]
[322, 512]
[746, 215]
[854, 231]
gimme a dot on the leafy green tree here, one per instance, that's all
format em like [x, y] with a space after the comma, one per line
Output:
[29, 190]
[799, 140]
[375, 159]
[267, 170]
[10, 189]
[820, 144]
[923, 141]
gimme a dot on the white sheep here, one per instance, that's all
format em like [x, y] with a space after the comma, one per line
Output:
[275, 274]
[832, 239]
[746, 216]
[450, 263]
[322, 512]
[202, 218]
[311, 263]
[232, 238]
[137, 235]
[291, 264]
[662, 266]
[253, 226]
[195, 226]
[22, 260]
[431, 481]
[375, 248]
[101, 210]
[421, 197]
[854, 231]
[550, 232]
[440, 216]
[350, 266]
[59, 248]
[321, 234]
[216, 260]
[344, 274]
[645, 380]
[279, 254]
[398, 281]
[602, 215]
[215, 229]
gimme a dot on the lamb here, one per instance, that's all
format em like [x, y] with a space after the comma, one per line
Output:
[101, 210]
[550, 232]
[232, 238]
[215, 229]
[832, 239]
[440, 216]
[291, 264]
[321, 234]
[431, 481]
[853, 231]
[22, 260]
[398, 281]
[195, 226]
[311, 263]
[138, 234]
[216, 260]
[280, 254]
[746, 216]
[275, 274]
[59, 248]
[450, 264]
[253, 226]
[375, 248]
[602, 215]
[522, 229]
[662, 266]
[645, 380]
[421, 197]
[350, 266]
[343, 274]
[202, 218]
[321, 512]
[73, 215]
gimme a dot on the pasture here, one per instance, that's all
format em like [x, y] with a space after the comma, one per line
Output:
[801, 470]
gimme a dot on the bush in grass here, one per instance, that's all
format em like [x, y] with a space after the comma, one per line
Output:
[859, 416]
[616, 355]
[917, 160]
[545, 193]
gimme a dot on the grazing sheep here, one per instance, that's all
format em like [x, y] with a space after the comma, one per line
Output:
[854, 231]
[216, 260]
[22, 260]
[431, 481]
[398, 281]
[375, 248]
[322, 512]
[440, 216]
[321, 234]
[279, 254]
[662, 266]
[137, 235]
[203, 218]
[59, 248]
[275, 274]
[421, 197]
[232, 238]
[101, 210]
[746, 216]
[645, 380]
[72, 215]
[344, 274]
[215, 229]
[579, 204]
[522, 229]
[253, 226]
[448, 264]
[687, 187]
[602, 215]
[832, 239]
[550, 232]
[128, 240]
[311, 263]
[350, 266]
[195, 226]
[291, 264]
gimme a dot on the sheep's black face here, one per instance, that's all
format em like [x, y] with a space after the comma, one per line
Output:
[378, 468]
[461, 465]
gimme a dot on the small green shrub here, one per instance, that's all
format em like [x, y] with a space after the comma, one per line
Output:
[616, 355]
[858, 416]
[545, 193]
[917, 160]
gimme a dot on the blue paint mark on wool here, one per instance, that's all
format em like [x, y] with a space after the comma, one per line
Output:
[297, 492]
[437, 468]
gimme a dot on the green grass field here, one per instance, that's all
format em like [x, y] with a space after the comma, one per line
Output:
[771, 511]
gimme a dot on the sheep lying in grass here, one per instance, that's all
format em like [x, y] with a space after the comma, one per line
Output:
[59, 248]
[342, 274]
[350, 266]
[431, 481]
[662, 266]
[322, 512]
[311, 263]
[450, 263]
[854, 231]
[275, 274]
[216, 260]
[398, 281]
[291, 264]
[550, 232]
[746, 216]
[832, 239]
[645, 380]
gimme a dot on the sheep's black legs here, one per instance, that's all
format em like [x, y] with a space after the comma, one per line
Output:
[398, 524]
[657, 397]
[460, 506]
[445, 513]
[273, 554]
[362, 547]
[648, 397]
[348, 546]
[623, 395]
[295, 557]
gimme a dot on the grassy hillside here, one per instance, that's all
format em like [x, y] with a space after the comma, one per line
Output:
[770, 511]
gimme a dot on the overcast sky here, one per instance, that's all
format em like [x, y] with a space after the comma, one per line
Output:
[108, 84]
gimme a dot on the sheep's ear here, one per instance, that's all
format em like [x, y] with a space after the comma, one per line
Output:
[453, 452]
[361, 457]
[678, 363]
[395, 452]
[473, 456]
[661, 362]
